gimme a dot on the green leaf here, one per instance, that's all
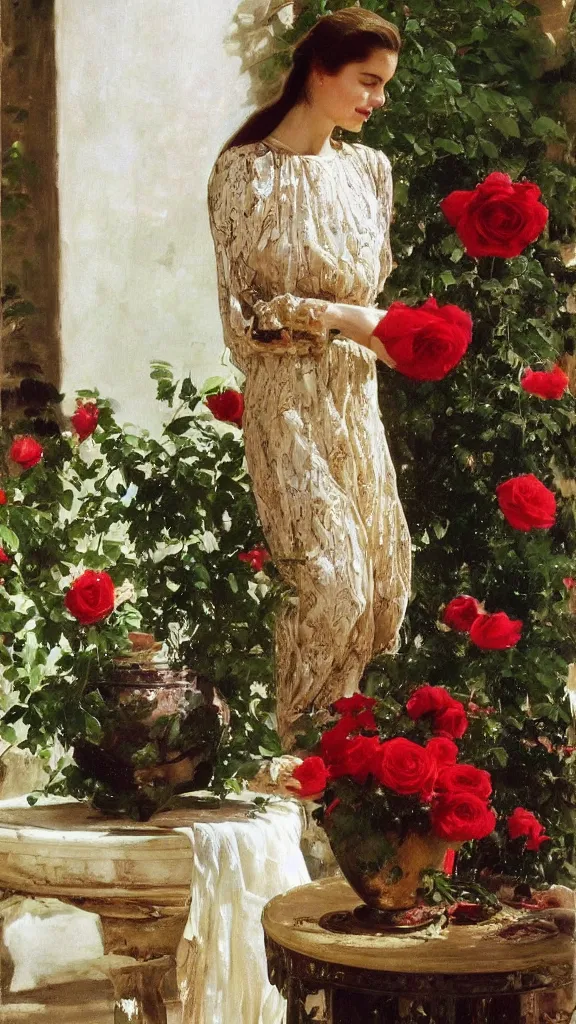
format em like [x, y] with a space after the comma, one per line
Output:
[447, 278]
[9, 537]
[545, 127]
[489, 148]
[448, 145]
[506, 125]
[501, 756]
[179, 426]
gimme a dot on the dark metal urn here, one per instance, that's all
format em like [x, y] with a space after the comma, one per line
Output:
[161, 729]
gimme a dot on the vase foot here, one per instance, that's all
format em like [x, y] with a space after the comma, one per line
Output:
[366, 920]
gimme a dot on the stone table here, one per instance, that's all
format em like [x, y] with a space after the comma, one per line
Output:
[464, 975]
[137, 877]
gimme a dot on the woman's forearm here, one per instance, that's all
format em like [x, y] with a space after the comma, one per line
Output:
[358, 324]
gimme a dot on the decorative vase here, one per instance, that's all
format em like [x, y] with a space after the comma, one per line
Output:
[160, 732]
[384, 868]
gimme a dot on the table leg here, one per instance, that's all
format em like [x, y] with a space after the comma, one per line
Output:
[137, 995]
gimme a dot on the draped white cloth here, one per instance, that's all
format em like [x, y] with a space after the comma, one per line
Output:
[238, 867]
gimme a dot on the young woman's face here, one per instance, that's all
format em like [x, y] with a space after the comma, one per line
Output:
[349, 97]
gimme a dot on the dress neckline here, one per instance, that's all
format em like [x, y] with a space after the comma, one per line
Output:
[276, 143]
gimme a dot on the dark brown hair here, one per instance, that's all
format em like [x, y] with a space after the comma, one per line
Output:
[345, 37]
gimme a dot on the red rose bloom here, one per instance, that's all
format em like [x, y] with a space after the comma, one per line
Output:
[255, 558]
[3, 497]
[228, 406]
[426, 699]
[426, 342]
[498, 218]
[312, 775]
[365, 720]
[349, 724]
[524, 823]
[4, 558]
[91, 597]
[332, 741]
[460, 613]
[85, 419]
[460, 816]
[355, 758]
[569, 582]
[527, 503]
[405, 767]
[354, 704]
[465, 777]
[451, 721]
[496, 632]
[443, 750]
[546, 385]
[26, 452]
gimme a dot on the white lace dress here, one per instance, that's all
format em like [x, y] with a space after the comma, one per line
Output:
[291, 233]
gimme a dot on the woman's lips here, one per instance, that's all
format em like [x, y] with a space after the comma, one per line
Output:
[363, 113]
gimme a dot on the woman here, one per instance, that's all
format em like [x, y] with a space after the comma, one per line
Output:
[300, 225]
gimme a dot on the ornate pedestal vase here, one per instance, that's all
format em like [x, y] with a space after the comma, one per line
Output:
[161, 732]
[385, 870]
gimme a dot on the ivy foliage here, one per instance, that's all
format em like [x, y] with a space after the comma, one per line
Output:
[469, 98]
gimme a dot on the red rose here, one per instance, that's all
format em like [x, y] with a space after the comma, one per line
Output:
[465, 777]
[527, 503]
[405, 767]
[365, 720]
[255, 558]
[355, 757]
[460, 613]
[91, 597]
[354, 704]
[451, 721]
[460, 816]
[426, 699]
[496, 632]
[443, 750]
[426, 342]
[332, 741]
[26, 452]
[3, 497]
[569, 582]
[497, 218]
[4, 558]
[228, 406]
[85, 419]
[546, 385]
[349, 724]
[312, 775]
[524, 823]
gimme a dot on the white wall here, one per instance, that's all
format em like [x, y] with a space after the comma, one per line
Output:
[148, 90]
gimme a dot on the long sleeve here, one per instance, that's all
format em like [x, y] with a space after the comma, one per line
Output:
[385, 194]
[240, 221]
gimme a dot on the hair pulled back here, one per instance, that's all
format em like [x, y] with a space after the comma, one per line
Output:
[348, 36]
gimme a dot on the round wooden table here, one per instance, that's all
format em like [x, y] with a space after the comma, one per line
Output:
[466, 975]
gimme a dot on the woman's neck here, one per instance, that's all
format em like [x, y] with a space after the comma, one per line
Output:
[303, 134]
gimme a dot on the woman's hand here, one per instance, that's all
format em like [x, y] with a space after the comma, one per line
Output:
[358, 323]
